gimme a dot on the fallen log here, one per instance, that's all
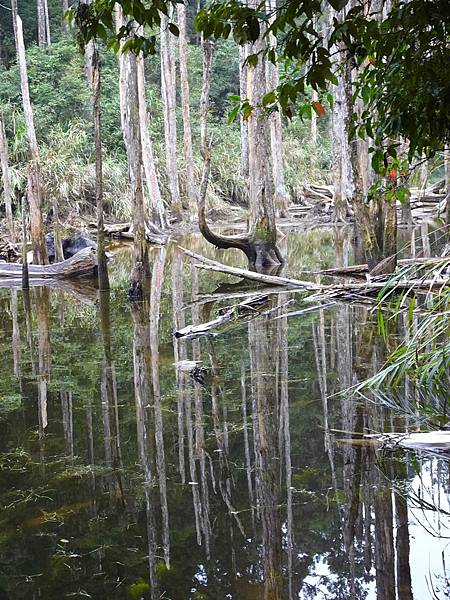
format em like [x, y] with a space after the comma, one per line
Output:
[246, 309]
[212, 265]
[82, 264]
[363, 268]
[153, 234]
[432, 441]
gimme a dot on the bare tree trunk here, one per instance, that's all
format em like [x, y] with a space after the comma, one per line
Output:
[259, 244]
[243, 122]
[5, 177]
[34, 181]
[168, 90]
[103, 279]
[133, 145]
[377, 224]
[447, 182]
[151, 177]
[47, 23]
[42, 30]
[65, 8]
[263, 233]
[340, 136]
[276, 135]
[185, 97]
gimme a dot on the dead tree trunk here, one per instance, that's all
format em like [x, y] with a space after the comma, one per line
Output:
[378, 223]
[43, 23]
[65, 23]
[151, 177]
[103, 280]
[185, 97]
[34, 180]
[259, 244]
[243, 122]
[5, 177]
[168, 90]
[132, 138]
[276, 136]
[447, 182]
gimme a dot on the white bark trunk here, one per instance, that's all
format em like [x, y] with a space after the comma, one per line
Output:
[243, 123]
[65, 8]
[5, 177]
[276, 134]
[168, 90]
[151, 177]
[261, 197]
[185, 98]
[43, 23]
[34, 179]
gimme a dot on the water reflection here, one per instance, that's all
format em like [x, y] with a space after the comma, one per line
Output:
[227, 480]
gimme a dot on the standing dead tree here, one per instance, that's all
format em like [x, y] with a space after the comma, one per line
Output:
[34, 177]
[5, 177]
[259, 244]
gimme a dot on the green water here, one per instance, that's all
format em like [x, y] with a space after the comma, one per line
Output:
[124, 477]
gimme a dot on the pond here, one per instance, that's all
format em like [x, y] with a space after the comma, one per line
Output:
[135, 464]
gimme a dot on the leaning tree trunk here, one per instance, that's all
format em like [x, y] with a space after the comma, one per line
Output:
[168, 90]
[185, 97]
[34, 179]
[259, 244]
[5, 177]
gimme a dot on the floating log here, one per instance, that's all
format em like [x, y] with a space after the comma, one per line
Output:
[82, 264]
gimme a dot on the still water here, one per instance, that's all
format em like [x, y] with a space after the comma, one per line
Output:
[125, 475]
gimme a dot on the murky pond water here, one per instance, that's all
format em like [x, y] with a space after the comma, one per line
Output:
[125, 474]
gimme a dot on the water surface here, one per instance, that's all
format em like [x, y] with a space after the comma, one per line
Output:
[123, 475]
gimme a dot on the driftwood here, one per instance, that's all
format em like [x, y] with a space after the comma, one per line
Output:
[212, 265]
[82, 264]
[363, 268]
[153, 234]
[365, 290]
[426, 204]
[433, 441]
[246, 309]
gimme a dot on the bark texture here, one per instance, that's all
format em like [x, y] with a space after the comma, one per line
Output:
[34, 180]
[132, 138]
[259, 244]
[157, 206]
[276, 136]
[103, 280]
[185, 97]
[5, 178]
[168, 90]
